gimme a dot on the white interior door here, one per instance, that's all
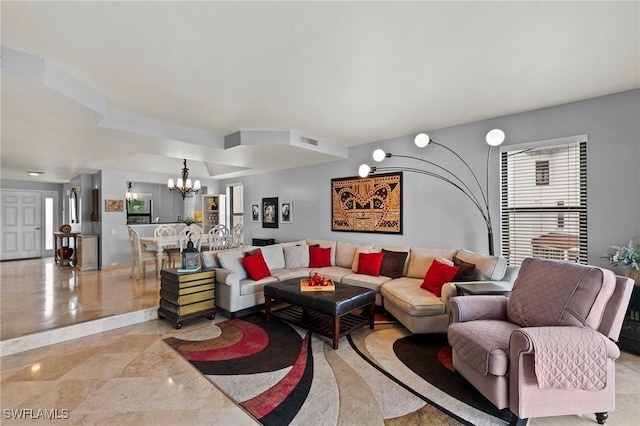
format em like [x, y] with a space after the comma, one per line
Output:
[21, 227]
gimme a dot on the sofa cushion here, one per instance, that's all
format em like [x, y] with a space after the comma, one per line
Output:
[403, 249]
[438, 274]
[369, 263]
[366, 281]
[256, 266]
[490, 267]
[393, 263]
[467, 271]
[296, 256]
[550, 293]
[346, 252]
[232, 260]
[420, 260]
[483, 344]
[290, 273]
[250, 286]
[324, 244]
[333, 272]
[274, 256]
[319, 257]
[210, 259]
[356, 257]
[406, 294]
[294, 243]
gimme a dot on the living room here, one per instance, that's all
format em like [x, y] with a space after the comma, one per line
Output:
[433, 214]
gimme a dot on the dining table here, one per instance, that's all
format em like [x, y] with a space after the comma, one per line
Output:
[161, 244]
[165, 242]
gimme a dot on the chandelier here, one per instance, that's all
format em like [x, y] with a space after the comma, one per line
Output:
[130, 194]
[184, 186]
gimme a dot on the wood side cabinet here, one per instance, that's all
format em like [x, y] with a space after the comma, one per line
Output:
[88, 252]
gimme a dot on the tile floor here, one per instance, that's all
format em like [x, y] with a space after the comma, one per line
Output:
[128, 375]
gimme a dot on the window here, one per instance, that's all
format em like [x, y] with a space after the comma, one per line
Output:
[139, 209]
[544, 200]
[48, 223]
[542, 172]
[235, 205]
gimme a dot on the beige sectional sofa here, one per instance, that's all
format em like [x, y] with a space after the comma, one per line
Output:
[419, 310]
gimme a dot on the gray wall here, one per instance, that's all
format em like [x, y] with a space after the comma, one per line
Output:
[435, 215]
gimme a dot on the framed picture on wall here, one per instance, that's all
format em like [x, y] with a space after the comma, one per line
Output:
[255, 212]
[371, 204]
[286, 212]
[270, 212]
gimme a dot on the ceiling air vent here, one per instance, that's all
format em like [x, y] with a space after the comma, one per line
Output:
[308, 141]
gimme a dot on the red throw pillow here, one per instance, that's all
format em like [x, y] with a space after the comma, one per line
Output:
[319, 257]
[370, 263]
[438, 274]
[256, 266]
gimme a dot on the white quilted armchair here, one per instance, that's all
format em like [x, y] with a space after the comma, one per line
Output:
[549, 348]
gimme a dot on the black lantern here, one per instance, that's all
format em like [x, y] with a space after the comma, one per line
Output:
[190, 256]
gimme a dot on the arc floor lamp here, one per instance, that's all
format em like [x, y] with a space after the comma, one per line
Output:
[475, 193]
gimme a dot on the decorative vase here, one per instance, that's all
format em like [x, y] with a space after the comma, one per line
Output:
[634, 274]
[65, 252]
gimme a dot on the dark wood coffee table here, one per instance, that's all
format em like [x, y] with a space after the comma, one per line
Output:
[329, 313]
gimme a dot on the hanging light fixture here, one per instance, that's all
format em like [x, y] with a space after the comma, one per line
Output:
[475, 192]
[184, 185]
[129, 191]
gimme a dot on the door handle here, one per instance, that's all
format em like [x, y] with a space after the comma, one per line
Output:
[36, 229]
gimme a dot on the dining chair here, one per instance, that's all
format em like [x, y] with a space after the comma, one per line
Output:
[140, 256]
[218, 237]
[172, 252]
[191, 233]
[237, 235]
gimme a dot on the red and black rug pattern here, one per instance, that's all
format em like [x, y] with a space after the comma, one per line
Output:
[429, 356]
[281, 374]
[251, 345]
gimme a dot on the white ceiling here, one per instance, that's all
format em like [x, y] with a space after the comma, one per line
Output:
[139, 86]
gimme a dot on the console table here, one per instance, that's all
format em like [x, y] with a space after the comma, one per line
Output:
[62, 240]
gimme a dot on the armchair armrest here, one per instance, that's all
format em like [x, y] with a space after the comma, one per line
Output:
[450, 289]
[470, 308]
[522, 339]
[566, 357]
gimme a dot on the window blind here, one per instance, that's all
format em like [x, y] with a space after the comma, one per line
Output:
[544, 202]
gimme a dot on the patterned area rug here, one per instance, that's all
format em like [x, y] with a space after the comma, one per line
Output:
[281, 374]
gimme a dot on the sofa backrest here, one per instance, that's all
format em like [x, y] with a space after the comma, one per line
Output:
[273, 256]
[346, 253]
[420, 260]
[232, 260]
[551, 293]
[489, 267]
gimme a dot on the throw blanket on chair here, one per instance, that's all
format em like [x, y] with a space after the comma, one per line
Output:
[569, 357]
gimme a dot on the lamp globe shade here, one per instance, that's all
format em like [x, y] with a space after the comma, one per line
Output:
[495, 137]
[379, 154]
[422, 140]
[364, 170]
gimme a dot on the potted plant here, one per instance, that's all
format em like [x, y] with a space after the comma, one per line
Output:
[188, 220]
[628, 257]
